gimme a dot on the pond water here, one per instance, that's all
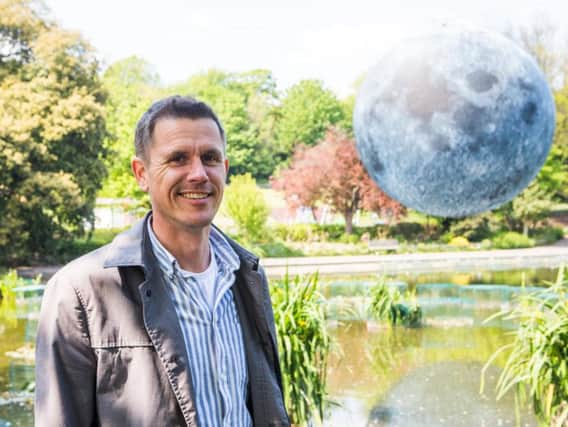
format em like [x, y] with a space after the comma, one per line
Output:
[378, 376]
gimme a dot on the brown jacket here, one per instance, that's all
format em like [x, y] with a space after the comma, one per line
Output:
[110, 350]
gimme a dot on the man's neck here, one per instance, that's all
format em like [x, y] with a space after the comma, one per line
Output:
[190, 248]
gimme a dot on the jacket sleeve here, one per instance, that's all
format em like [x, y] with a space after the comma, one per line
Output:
[65, 361]
[271, 325]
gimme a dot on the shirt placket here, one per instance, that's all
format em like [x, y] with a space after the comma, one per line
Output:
[221, 354]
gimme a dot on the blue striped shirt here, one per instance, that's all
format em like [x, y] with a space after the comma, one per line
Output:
[213, 338]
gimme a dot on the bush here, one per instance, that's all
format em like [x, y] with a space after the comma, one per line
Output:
[298, 232]
[459, 242]
[333, 232]
[547, 235]
[512, 240]
[349, 238]
[245, 204]
[474, 229]
[407, 231]
[275, 250]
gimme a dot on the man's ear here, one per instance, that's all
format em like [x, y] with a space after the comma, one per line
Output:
[139, 169]
[226, 162]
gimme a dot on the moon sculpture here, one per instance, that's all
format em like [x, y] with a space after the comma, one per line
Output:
[455, 123]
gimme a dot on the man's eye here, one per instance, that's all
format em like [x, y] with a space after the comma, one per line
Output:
[178, 158]
[210, 158]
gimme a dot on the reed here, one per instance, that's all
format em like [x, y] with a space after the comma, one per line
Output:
[536, 365]
[304, 346]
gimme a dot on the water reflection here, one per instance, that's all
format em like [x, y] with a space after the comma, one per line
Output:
[18, 326]
[428, 376]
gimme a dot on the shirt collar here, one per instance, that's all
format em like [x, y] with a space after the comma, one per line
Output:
[222, 250]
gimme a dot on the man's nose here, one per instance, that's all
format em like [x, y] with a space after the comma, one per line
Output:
[196, 171]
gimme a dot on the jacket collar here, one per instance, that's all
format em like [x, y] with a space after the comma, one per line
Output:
[130, 248]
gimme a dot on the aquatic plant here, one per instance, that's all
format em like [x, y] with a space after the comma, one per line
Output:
[387, 303]
[537, 359]
[8, 282]
[304, 344]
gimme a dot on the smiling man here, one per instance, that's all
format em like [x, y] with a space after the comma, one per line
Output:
[170, 324]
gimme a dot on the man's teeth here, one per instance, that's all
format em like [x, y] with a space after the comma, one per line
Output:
[194, 195]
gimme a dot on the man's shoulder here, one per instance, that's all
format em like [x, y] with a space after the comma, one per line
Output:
[99, 263]
[82, 268]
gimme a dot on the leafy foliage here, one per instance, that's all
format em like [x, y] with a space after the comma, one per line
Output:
[537, 364]
[331, 172]
[303, 344]
[132, 86]
[245, 204]
[306, 112]
[387, 303]
[512, 240]
[244, 102]
[51, 132]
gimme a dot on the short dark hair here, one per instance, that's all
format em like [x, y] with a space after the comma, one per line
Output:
[173, 107]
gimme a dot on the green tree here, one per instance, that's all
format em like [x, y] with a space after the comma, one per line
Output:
[553, 176]
[245, 204]
[244, 103]
[132, 85]
[525, 211]
[51, 132]
[306, 112]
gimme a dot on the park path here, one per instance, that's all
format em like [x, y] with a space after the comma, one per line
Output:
[510, 259]
[541, 256]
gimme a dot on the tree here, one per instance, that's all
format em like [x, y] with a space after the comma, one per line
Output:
[553, 177]
[132, 85]
[541, 40]
[305, 114]
[331, 172]
[525, 211]
[51, 132]
[244, 102]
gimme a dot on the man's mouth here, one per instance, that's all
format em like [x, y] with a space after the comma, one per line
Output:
[194, 195]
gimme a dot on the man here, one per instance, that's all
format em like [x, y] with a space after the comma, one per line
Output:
[170, 324]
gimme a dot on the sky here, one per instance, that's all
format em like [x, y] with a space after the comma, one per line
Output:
[336, 42]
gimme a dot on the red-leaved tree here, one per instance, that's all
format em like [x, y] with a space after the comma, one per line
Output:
[331, 172]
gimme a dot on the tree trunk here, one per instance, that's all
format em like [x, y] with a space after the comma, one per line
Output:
[314, 216]
[348, 214]
[526, 228]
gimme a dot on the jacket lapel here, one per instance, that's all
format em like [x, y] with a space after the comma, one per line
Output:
[133, 248]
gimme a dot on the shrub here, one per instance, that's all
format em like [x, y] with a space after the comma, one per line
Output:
[275, 250]
[459, 242]
[474, 229]
[349, 238]
[548, 235]
[303, 344]
[245, 204]
[512, 240]
[407, 231]
[333, 231]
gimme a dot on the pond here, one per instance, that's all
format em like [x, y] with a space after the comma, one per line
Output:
[378, 376]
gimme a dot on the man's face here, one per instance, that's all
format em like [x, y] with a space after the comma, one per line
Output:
[184, 173]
